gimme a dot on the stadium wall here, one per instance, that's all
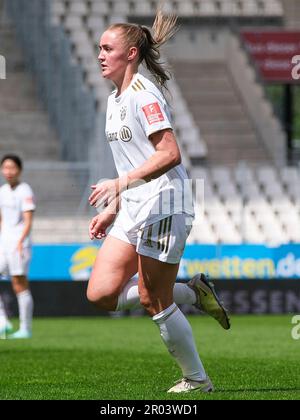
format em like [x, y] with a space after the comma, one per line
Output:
[225, 262]
[250, 279]
[64, 298]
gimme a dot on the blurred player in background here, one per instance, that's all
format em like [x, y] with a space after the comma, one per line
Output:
[16, 212]
[148, 162]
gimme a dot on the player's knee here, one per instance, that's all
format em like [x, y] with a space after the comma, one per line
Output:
[102, 299]
[19, 284]
[91, 296]
[94, 296]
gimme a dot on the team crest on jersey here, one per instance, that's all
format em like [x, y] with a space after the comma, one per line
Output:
[123, 113]
[125, 134]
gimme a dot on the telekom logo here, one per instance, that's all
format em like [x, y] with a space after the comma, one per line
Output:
[2, 67]
[296, 69]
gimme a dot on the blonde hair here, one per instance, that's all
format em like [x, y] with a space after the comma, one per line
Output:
[149, 42]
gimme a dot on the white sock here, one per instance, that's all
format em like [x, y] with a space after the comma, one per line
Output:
[3, 315]
[183, 294]
[25, 303]
[129, 298]
[177, 335]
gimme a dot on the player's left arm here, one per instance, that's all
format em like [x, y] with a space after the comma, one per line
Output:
[167, 156]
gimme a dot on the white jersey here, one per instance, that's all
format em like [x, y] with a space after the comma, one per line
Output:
[13, 202]
[132, 117]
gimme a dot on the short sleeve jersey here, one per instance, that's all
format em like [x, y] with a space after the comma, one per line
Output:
[141, 110]
[13, 202]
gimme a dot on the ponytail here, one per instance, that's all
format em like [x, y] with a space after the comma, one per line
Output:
[164, 27]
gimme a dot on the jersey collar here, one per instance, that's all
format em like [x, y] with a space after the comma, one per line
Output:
[119, 99]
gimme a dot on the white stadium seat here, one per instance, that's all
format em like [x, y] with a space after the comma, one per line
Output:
[292, 216]
[229, 8]
[227, 191]
[100, 8]
[267, 175]
[79, 37]
[199, 173]
[206, 8]
[251, 191]
[78, 8]
[290, 175]
[251, 232]
[282, 205]
[243, 175]
[95, 23]
[202, 233]
[58, 8]
[220, 175]
[142, 8]
[251, 8]
[185, 8]
[73, 22]
[121, 7]
[197, 150]
[273, 191]
[273, 8]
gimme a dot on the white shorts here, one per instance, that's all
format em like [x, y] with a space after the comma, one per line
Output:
[12, 263]
[163, 240]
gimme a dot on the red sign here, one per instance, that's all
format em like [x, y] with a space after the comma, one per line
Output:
[275, 53]
[153, 113]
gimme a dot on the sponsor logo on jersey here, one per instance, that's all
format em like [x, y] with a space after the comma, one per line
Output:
[112, 136]
[125, 134]
[153, 113]
[29, 200]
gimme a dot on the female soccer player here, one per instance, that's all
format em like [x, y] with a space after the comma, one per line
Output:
[149, 204]
[16, 210]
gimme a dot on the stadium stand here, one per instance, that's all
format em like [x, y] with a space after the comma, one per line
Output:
[291, 13]
[187, 8]
[249, 204]
[84, 21]
[23, 121]
[250, 194]
[25, 130]
[219, 111]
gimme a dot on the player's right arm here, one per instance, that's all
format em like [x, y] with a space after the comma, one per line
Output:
[101, 222]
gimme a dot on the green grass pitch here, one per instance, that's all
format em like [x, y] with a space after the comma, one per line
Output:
[124, 358]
